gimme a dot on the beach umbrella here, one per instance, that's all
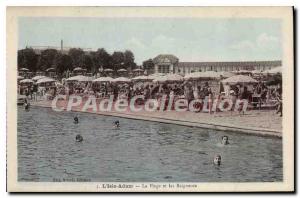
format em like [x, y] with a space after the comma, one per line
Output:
[273, 71]
[142, 78]
[174, 77]
[122, 70]
[226, 74]
[20, 78]
[80, 78]
[45, 80]
[121, 79]
[24, 69]
[103, 79]
[26, 81]
[239, 79]
[160, 79]
[199, 75]
[79, 69]
[38, 77]
[74, 78]
[86, 79]
[155, 75]
[138, 70]
[256, 72]
[169, 78]
[108, 70]
[50, 69]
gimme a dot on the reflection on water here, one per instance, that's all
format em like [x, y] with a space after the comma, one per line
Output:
[139, 151]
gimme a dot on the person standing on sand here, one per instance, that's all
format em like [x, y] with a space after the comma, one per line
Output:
[35, 90]
[244, 96]
[233, 98]
[279, 102]
[26, 105]
[210, 100]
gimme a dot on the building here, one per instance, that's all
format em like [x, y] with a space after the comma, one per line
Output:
[167, 63]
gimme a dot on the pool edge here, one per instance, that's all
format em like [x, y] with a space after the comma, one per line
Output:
[227, 128]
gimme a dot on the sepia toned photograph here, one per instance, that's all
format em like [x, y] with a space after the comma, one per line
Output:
[143, 99]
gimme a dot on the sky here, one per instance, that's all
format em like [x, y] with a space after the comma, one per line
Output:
[190, 39]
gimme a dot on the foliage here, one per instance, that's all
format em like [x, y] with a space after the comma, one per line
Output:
[63, 63]
[47, 59]
[27, 58]
[148, 65]
[76, 57]
[102, 59]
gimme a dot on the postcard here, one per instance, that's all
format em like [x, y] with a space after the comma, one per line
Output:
[150, 99]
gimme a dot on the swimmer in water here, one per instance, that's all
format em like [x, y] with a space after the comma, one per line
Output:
[76, 120]
[217, 160]
[117, 124]
[225, 140]
[79, 138]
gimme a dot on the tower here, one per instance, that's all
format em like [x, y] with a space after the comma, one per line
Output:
[61, 45]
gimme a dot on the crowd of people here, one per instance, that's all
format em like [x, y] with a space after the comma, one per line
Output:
[259, 95]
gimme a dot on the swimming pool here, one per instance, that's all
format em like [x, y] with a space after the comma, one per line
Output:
[140, 151]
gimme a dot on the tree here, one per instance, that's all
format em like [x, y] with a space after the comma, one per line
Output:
[47, 59]
[117, 60]
[77, 56]
[88, 63]
[27, 58]
[63, 62]
[148, 65]
[129, 60]
[102, 59]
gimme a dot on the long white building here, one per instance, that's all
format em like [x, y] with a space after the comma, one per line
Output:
[168, 63]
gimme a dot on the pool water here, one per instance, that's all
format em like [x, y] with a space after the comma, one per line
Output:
[139, 151]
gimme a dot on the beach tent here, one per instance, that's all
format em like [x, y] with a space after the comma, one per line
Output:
[38, 77]
[121, 79]
[122, 70]
[103, 79]
[26, 81]
[273, 71]
[45, 80]
[239, 79]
